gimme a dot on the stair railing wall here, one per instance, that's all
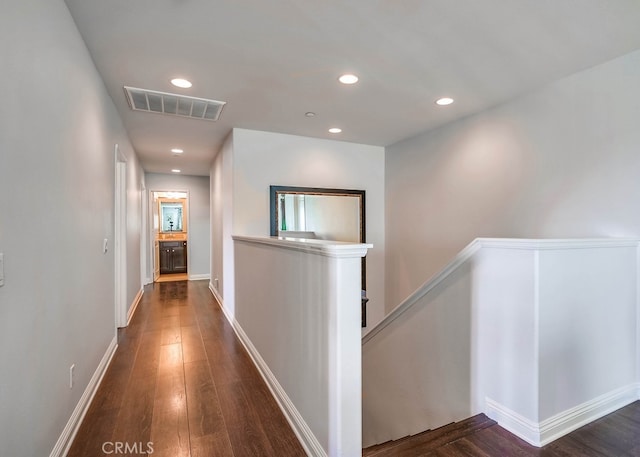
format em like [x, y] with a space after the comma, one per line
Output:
[540, 335]
[297, 311]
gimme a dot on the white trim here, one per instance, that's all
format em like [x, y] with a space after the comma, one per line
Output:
[199, 277]
[307, 439]
[513, 422]
[338, 249]
[216, 295]
[120, 239]
[143, 232]
[542, 433]
[153, 235]
[69, 432]
[151, 240]
[638, 319]
[134, 305]
[496, 243]
[571, 419]
[550, 244]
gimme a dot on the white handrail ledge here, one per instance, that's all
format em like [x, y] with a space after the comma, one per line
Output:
[499, 243]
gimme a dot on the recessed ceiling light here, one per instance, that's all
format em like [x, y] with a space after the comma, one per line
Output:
[309, 114]
[183, 83]
[177, 151]
[335, 130]
[175, 170]
[444, 101]
[348, 79]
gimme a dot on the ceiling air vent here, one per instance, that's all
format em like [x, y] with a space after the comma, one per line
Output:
[176, 105]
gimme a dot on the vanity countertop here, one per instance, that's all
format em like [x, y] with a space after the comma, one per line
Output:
[179, 236]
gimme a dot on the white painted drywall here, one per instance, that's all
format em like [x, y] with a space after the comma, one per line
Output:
[262, 159]
[58, 128]
[222, 260]
[416, 373]
[587, 321]
[198, 225]
[297, 306]
[504, 292]
[560, 162]
[135, 194]
[538, 334]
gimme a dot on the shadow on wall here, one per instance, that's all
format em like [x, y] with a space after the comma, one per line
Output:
[417, 371]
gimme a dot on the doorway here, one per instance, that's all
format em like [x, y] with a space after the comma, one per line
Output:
[169, 232]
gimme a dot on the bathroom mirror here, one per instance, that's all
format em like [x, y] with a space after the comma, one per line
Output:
[172, 216]
[311, 212]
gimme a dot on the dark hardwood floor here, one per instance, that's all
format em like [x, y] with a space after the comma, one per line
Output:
[181, 380]
[615, 435]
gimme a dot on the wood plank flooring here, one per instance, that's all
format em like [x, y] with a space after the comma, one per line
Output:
[182, 381]
[173, 277]
[615, 435]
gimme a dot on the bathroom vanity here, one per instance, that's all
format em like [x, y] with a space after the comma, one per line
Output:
[173, 257]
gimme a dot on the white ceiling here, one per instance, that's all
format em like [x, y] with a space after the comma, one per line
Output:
[272, 61]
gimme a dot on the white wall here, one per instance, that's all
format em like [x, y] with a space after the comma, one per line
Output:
[586, 289]
[540, 335]
[506, 329]
[58, 128]
[262, 159]
[560, 162]
[416, 373]
[557, 332]
[297, 310]
[198, 225]
[135, 239]
[221, 187]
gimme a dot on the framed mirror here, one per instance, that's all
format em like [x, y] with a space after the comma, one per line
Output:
[312, 212]
[172, 215]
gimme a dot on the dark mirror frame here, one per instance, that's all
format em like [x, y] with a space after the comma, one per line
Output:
[274, 191]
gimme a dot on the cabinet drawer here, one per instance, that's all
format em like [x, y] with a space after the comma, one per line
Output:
[172, 244]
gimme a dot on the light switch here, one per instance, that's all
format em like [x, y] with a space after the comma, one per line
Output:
[105, 246]
[1, 269]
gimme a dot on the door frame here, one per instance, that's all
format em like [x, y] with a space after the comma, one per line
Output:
[120, 238]
[152, 239]
[145, 278]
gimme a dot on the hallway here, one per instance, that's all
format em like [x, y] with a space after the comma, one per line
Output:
[181, 384]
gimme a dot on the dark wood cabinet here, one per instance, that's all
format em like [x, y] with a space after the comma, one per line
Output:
[173, 257]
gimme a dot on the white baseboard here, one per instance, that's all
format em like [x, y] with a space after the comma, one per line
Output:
[134, 305]
[217, 296]
[514, 422]
[199, 277]
[307, 439]
[567, 421]
[68, 434]
[548, 430]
